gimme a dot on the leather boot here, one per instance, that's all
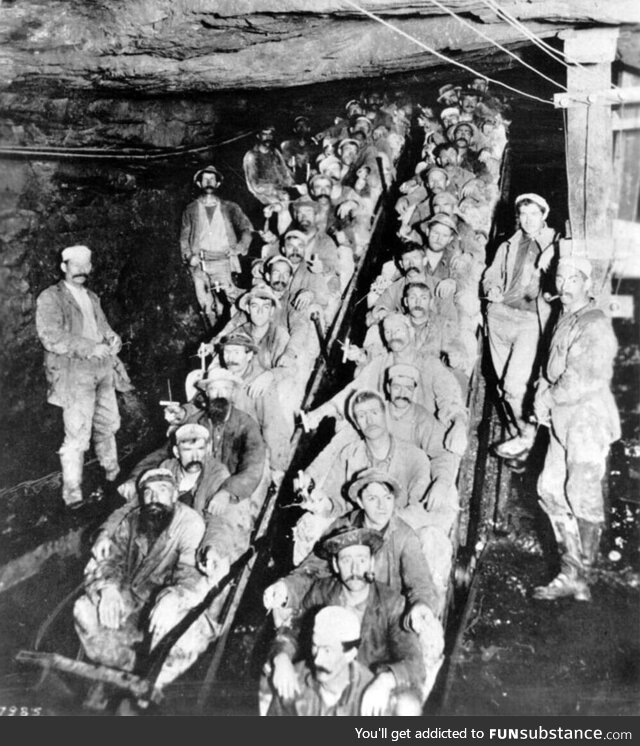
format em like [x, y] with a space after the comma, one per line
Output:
[71, 462]
[107, 454]
[571, 580]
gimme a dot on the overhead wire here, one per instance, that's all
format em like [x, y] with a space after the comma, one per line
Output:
[557, 54]
[464, 22]
[444, 57]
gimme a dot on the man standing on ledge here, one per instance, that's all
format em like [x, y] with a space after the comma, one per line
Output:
[83, 370]
[574, 400]
[214, 234]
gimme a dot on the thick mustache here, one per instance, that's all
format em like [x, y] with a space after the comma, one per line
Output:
[193, 463]
[81, 274]
[402, 398]
[278, 285]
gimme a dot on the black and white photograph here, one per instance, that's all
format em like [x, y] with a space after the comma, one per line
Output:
[320, 361]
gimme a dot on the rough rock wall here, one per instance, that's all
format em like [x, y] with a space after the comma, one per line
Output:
[200, 45]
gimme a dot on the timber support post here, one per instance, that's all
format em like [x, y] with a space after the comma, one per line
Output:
[589, 137]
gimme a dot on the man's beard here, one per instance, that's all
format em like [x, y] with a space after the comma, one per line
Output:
[154, 519]
[218, 409]
[278, 285]
[295, 258]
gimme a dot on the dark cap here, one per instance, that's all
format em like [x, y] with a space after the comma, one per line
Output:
[349, 537]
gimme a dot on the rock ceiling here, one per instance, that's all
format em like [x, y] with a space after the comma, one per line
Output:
[183, 46]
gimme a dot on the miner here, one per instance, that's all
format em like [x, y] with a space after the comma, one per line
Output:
[83, 370]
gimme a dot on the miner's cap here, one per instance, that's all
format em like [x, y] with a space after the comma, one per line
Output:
[191, 431]
[536, 199]
[336, 624]
[157, 475]
[78, 254]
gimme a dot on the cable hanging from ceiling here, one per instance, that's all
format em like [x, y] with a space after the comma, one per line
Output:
[496, 44]
[556, 54]
[444, 57]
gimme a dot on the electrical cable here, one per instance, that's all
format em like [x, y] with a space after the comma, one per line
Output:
[441, 56]
[555, 54]
[116, 155]
[497, 44]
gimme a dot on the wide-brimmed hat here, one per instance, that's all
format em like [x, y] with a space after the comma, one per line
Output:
[218, 374]
[257, 291]
[369, 476]
[349, 537]
[208, 170]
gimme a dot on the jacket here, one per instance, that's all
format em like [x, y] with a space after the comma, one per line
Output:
[59, 323]
[500, 272]
[384, 645]
[400, 563]
[134, 566]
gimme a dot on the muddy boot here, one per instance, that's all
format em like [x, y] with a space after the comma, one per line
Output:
[570, 581]
[107, 454]
[72, 462]
[590, 534]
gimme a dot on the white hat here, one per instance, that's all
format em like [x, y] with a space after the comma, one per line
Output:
[336, 624]
[449, 111]
[403, 370]
[581, 263]
[76, 254]
[156, 475]
[536, 199]
[192, 431]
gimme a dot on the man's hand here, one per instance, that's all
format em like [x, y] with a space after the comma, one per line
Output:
[313, 418]
[284, 677]
[174, 414]
[446, 288]
[375, 699]
[128, 490]
[495, 295]
[110, 607]
[545, 258]
[315, 265]
[275, 596]
[456, 438]
[267, 236]
[346, 208]
[261, 384]
[163, 617]
[101, 351]
[420, 617]
[542, 406]
[219, 502]
[455, 358]
[101, 548]
[438, 497]
[303, 300]
[194, 261]
[212, 564]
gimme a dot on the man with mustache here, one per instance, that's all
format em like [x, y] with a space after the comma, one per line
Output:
[438, 391]
[146, 584]
[214, 233]
[83, 371]
[517, 316]
[265, 170]
[400, 563]
[574, 401]
[390, 651]
[333, 684]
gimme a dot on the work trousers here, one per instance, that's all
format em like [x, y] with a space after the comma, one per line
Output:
[571, 480]
[93, 408]
[117, 648]
[513, 336]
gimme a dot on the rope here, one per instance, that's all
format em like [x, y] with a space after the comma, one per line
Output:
[556, 54]
[497, 44]
[451, 61]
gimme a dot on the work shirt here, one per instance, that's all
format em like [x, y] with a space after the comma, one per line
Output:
[309, 702]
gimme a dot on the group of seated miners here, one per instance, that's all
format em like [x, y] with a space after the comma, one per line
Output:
[374, 546]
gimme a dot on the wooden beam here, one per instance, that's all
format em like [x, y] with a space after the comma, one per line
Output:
[606, 97]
